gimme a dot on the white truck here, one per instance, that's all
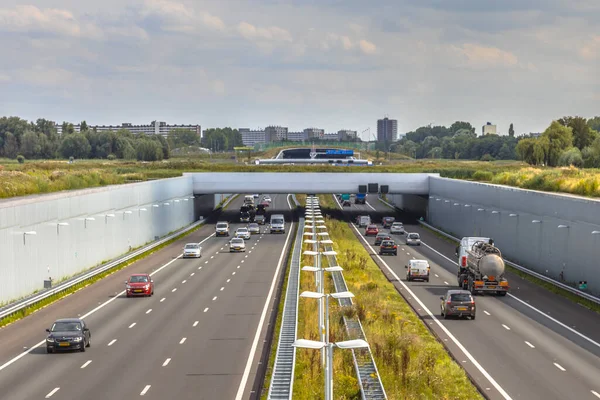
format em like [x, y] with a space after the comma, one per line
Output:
[480, 266]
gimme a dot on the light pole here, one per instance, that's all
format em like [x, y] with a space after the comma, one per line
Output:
[85, 220]
[107, 216]
[59, 224]
[313, 344]
[126, 212]
[32, 233]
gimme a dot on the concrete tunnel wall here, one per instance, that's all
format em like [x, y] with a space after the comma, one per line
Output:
[506, 214]
[93, 234]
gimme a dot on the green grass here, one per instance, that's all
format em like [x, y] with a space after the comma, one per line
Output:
[49, 300]
[412, 363]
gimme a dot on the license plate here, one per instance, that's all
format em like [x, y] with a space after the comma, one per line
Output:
[64, 344]
[237, 248]
[138, 291]
[491, 287]
[461, 308]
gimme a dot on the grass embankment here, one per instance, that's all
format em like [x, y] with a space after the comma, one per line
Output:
[412, 363]
[50, 176]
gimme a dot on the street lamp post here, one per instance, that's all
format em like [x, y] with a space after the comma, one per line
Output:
[32, 233]
[59, 224]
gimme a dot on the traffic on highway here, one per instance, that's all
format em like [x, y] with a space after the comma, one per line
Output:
[527, 344]
[186, 322]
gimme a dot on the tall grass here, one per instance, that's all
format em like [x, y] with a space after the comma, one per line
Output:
[412, 363]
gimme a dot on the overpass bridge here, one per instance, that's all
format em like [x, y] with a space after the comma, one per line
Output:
[310, 182]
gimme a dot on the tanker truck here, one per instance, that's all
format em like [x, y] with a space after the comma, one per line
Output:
[480, 266]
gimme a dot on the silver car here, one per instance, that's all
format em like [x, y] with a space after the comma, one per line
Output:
[243, 233]
[397, 228]
[237, 244]
[192, 250]
[413, 239]
[253, 228]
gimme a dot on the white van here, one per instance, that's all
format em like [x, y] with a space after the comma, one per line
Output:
[417, 269]
[249, 199]
[277, 223]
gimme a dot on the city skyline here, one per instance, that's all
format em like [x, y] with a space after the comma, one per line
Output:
[332, 63]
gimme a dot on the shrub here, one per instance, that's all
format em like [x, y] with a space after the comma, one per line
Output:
[486, 176]
[20, 159]
[487, 157]
[111, 157]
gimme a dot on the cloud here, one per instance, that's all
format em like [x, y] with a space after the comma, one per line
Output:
[218, 87]
[30, 18]
[367, 47]
[482, 56]
[591, 49]
[173, 16]
[274, 33]
[213, 21]
[4, 78]
[43, 76]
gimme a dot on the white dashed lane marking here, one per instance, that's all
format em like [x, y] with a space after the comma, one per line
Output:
[486, 313]
[195, 324]
[222, 288]
[145, 390]
[149, 311]
[182, 341]
[174, 290]
[214, 298]
[228, 280]
[506, 327]
[112, 342]
[163, 299]
[88, 362]
[52, 392]
[529, 344]
[446, 283]
[132, 325]
[595, 393]
[167, 361]
[206, 309]
[184, 281]
[559, 367]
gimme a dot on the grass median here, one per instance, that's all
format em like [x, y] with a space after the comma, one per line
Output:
[412, 363]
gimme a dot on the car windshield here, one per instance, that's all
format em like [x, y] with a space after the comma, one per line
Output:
[413, 236]
[192, 246]
[138, 279]
[460, 297]
[277, 221]
[66, 327]
[242, 230]
[397, 224]
[387, 243]
[419, 264]
[221, 225]
[237, 241]
[372, 227]
[253, 226]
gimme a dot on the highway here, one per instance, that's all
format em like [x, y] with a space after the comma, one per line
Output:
[199, 337]
[531, 344]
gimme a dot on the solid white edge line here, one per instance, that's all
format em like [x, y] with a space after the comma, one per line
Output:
[581, 335]
[88, 362]
[446, 331]
[261, 322]
[167, 361]
[559, 367]
[107, 302]
[372, 208]
[52, 392]
[145, 390]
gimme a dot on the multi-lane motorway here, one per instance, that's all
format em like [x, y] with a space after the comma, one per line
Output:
[531, 344]
[199, 337]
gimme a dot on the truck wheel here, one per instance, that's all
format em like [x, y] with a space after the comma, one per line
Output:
[501, 293]
[473, 317]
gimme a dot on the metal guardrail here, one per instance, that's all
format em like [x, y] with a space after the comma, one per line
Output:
[561, 285]
[282, 380]
[369, 380]
[33, 299]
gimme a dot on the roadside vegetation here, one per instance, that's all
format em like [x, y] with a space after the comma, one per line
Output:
[412, 363]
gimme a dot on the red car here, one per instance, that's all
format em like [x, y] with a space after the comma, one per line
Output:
[139, 285]
[371, 230]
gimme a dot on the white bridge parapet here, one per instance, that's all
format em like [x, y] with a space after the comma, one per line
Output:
[306, 182]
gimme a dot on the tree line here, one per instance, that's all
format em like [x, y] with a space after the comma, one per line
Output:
[40, 140]
[567, 141]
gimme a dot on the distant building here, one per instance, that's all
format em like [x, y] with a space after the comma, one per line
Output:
[252, 137]
[275, 133]
[387, 130]
[154, 128]
[297, 136]
[345, 135]
[314, 133]
[488, 129]
[334, 137]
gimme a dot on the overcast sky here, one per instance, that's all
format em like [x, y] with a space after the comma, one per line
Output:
[332, 64]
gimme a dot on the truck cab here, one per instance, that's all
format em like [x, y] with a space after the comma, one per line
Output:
[361, 198]
[346, 200]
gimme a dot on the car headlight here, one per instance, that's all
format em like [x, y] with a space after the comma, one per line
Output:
[147, 286]
[77, 339]
[128, 287]
[50, 340]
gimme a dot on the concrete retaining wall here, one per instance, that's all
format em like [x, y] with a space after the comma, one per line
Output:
[511, 216]
[61, 234]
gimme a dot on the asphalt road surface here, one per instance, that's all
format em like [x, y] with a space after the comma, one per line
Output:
[531, 344]
[199, 337]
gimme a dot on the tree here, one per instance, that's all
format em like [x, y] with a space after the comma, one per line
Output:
[124, 148]
[11, 145]
[75, 145]
[560, 138]
[67, 128]
[83, 127]
[594, 123]
[458, 125]
[570, 157]
[30, 145]
[511, 130]
[583, 135]
[148, 150]
[183, 137]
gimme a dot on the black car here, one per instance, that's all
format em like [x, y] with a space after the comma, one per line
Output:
[381, 236]
[388, 247]
[387, 221]
[68, 334]
[459, 303]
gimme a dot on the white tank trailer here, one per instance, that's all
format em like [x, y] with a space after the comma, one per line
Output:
[484, 271]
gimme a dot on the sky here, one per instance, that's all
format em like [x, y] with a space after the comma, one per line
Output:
[331, 64]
